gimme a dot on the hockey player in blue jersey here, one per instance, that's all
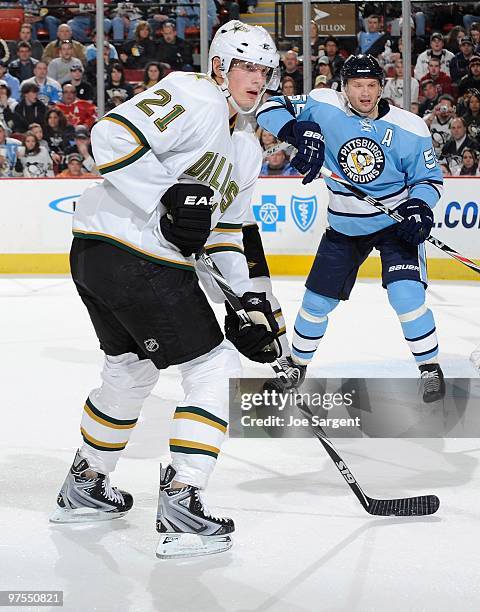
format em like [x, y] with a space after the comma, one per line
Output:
[388, 153]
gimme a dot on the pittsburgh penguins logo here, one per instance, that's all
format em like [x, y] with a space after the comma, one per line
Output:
[361, 159]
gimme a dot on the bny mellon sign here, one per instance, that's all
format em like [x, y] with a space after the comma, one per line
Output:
[331, 19]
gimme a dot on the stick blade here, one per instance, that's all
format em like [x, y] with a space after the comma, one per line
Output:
[423, 505]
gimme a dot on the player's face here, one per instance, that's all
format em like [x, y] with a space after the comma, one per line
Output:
[246, 80]
[363, 94]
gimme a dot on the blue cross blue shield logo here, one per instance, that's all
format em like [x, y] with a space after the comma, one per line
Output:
[304, 211]
[269, 213]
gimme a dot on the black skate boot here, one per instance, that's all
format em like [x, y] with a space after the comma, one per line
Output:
[89, 497]
[433, 382]
[294, 375]
[186, 527]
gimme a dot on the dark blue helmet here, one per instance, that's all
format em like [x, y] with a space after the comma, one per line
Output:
[361, 66]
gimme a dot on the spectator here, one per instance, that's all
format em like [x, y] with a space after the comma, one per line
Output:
[472, 79]
[367, 39]
[10, 80]
[453, 39]
[77, 112]
[22, 67]
[251, 6]
[439, 122]
[138, 88]
[83, 88]
[8, 154]
[440, 79]
[91, 70]
[41, 16]
[430, 98]
[445, 168]
[288, 86]
[91, 50]
[393, 89]
[49, 90]
[459, 64]
[83, 20]
[189, 16]
[116, 85]
[26, 36]
[320, 82]
[436, 50]
[59, 68]
[173, 50]
[139, 51]
[415, 108]
[33, 161]
[125, 21]
[325, 69]
[83, 148]
[267, 139]
[458, 141]
[153, 74]
[277, 164]
[64, 33]
[290, 63]
[74, 168]
[472, 118]
[37, 129]
[7, 106]
[475, 35]
[58, 134]
[30, 109]
[335, 60]
[469, 165]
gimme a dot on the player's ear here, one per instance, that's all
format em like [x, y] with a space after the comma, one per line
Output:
[216, 68]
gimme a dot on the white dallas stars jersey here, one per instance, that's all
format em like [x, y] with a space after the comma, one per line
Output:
[390, 158]
[178, 130]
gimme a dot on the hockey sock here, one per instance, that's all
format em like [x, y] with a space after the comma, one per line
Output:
[310, 325]
[111, 412]
[407, 297]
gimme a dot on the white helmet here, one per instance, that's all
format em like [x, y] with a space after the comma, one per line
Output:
[237, 40]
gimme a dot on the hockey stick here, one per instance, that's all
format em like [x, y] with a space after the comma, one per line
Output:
[382, 208]
[422, 505]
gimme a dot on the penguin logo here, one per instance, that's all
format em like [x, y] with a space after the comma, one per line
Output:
[361, 160]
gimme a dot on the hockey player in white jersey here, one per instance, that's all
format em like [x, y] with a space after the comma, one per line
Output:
[387, 152]
[177, 178]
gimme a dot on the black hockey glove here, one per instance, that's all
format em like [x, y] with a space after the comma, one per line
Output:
[417, 221]
[187, 221]
[307, 137]
[257, 341]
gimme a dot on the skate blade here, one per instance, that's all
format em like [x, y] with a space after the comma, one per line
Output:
[186, 545]
[82, 515]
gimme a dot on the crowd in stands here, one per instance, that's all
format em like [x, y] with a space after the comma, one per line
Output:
[48, 74]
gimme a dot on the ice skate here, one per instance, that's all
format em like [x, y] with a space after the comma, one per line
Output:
[433, 382]
[295, 373]
[89, 497]
[186, 527]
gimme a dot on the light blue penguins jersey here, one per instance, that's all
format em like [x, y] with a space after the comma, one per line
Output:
[391, 158]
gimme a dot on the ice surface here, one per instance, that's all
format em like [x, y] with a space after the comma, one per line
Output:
[303, 542]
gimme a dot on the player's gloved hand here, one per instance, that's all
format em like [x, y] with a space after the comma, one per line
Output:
[417, 221]
[186, 224]
[307, 137]
[257, 341]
